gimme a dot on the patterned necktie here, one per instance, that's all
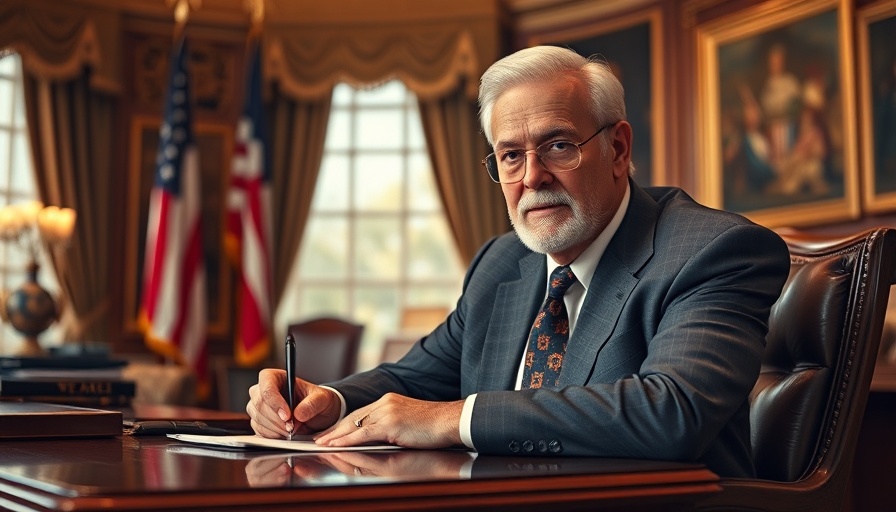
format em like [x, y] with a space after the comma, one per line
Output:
[550, 332]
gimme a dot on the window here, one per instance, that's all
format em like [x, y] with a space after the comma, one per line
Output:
[377, 240]
[16, 185]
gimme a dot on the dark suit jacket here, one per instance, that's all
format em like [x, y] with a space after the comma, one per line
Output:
[665, 351]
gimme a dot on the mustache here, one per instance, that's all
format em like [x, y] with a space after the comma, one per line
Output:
[541, 199]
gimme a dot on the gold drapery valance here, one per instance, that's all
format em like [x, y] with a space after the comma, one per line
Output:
[432, 49]
[58, 39]
[431, 65]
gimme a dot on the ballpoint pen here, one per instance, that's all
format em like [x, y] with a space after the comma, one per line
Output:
[288, 389]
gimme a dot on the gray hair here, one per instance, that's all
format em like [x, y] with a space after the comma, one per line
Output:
[542, 63]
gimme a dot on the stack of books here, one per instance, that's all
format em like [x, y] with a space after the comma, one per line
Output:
[73, 380]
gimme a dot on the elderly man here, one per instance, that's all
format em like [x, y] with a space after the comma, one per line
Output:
[615, 321]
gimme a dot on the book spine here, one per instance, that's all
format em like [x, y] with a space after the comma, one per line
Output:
[81, 401]
[65, 388]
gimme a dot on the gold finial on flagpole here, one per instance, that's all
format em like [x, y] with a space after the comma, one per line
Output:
[255, 8]
[182, 10]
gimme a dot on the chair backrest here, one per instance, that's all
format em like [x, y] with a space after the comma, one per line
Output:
[326, 348]
[807, 405]
[824, 332]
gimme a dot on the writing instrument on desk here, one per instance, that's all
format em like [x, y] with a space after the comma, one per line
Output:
[288, 389]
[164, 427]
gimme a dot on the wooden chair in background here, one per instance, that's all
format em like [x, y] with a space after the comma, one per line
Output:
[326, 348]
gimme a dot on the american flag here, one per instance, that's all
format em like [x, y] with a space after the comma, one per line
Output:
[249, 222]
[174, 301]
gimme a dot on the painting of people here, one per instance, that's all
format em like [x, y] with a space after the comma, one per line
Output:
[781, 116]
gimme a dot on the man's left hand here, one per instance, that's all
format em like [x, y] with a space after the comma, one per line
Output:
[399, 420]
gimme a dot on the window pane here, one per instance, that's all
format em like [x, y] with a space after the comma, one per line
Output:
[423, 195]
[22, 175]
[342, 95]
[5, 144]
[8, 63]
[431, 253]
[338, 132]
[332, 189]
[379, 129]
[390, 93]
[6, 97]
[378, 248]
[377, 309]
[323, 301]
[19, 114]
[325, 248]
[378, 183]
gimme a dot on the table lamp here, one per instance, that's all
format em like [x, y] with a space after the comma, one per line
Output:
[30, 309]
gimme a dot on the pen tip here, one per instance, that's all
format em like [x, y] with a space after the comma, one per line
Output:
[289, 436]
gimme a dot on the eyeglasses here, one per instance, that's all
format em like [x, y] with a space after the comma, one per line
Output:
[509, 165]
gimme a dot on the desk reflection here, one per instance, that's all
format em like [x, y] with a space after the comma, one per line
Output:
[357, 467]
[153, 473]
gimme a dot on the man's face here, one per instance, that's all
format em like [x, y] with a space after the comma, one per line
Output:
[559, 214]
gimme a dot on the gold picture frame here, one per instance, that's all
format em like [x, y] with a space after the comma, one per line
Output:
[776, 117]
[877, 95]
[632, 45]
[215, 143]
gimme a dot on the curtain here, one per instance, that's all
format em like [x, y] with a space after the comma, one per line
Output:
[440, 61]
[70, 126]
[58, 39]
[70, 56]
[473, 203]
[298, 128]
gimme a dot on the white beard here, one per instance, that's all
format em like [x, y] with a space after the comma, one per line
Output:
[548, 235]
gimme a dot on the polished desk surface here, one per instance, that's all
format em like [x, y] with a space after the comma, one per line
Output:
[156, 473]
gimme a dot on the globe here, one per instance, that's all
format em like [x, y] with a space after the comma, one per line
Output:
[30, 310]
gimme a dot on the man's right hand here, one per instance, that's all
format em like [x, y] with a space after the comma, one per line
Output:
[318, 408]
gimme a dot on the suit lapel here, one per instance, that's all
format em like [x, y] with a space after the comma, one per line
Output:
[610, 287]
[516, 303]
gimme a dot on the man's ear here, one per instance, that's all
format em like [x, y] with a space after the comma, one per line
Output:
[622, 148]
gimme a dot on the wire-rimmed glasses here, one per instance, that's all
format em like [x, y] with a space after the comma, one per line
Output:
[558, 155]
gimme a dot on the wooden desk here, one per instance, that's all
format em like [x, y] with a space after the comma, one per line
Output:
[154, 473]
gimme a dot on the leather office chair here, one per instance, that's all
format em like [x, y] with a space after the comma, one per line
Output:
[326, 348]
[807, 405]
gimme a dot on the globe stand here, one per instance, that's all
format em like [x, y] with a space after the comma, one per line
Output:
[30, 310]
[30, 348]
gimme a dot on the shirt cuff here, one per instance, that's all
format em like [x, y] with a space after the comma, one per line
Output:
[466, 470]
[466, 422]
[341, 403]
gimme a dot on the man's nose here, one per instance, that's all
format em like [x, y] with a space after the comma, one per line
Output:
[537, 175]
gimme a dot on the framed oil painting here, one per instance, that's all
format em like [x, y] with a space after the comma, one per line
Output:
[631, 45]
[215, 144]
[777, 134]
[877, 91]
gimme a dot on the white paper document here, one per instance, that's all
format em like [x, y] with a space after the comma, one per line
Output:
[298, 443]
